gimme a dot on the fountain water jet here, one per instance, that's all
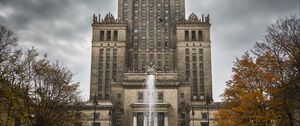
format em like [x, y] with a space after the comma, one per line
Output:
[150, 89]
[150, 82]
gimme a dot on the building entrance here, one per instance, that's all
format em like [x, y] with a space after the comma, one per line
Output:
[141, 119]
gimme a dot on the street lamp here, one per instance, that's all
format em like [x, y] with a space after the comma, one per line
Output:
[31, 117]
[193, 115]
[207, 107]
[109, 114]
[95, 106]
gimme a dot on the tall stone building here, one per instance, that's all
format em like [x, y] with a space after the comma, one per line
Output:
[151, 32]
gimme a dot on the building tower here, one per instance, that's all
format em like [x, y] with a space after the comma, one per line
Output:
[153, 31]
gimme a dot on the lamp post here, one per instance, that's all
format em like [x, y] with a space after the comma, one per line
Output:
[193, 115]
[32, 122]
[109, 118]
[207, 107]
[95, 106]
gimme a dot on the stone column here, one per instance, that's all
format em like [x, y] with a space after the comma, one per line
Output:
[166, 121]
[134, 119]
[105, 35]
[190, 35]
[145, 119]
[155, 119]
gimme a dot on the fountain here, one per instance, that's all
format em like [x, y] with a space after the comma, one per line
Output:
[150, 82]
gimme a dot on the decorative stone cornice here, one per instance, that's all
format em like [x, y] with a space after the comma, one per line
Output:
[101, 105]
[142, 85]
[109, 19]
[93, 107]
[214, 105]
[143, 107]
[193, 19]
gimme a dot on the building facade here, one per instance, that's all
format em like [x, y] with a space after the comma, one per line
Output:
[151, 32]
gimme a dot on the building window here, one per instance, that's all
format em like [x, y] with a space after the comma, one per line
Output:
[187, 51]
[204, 115]
[96, 123]
[194, 51]
[78, 124]
[166, 56]
[166, 24]
[140, 96]
[96, 115]
[136, 17]
[115, 35]
[160, 119]
[186, 35]
[204, 123]
[195, 85]
[119, 95]
[182, 119]
[114, 64]
[143, 44]
[159, 63]
[159, 56]
[200, 35]
[182, 104]
[177, 2]
[151, 43]
[166, 11]
[135, 61]
[200, 51]
[107, 76]
[201, 67]
[100, 66]
[108, 36]
[167, 63]
[187, 64]
[181, 95]
[143, 30]
[193, 36]
[140, 119]
[143, 37]
[151, 57]
[151, 11]
[77, 115]
[166, 44]
[193, 59]
[160, 96]
[187, 59]
[101, 35]
[201, 58]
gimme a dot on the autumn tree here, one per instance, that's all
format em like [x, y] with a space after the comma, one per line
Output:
[283, 41]
[249, 95]
[33, 90]
[265, 89]
[52, 91]
[10, 106]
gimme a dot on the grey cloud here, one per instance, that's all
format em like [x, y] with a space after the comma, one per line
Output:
[236, 26]
[61, 28]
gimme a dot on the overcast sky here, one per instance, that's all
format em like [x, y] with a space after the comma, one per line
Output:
[62, 29]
